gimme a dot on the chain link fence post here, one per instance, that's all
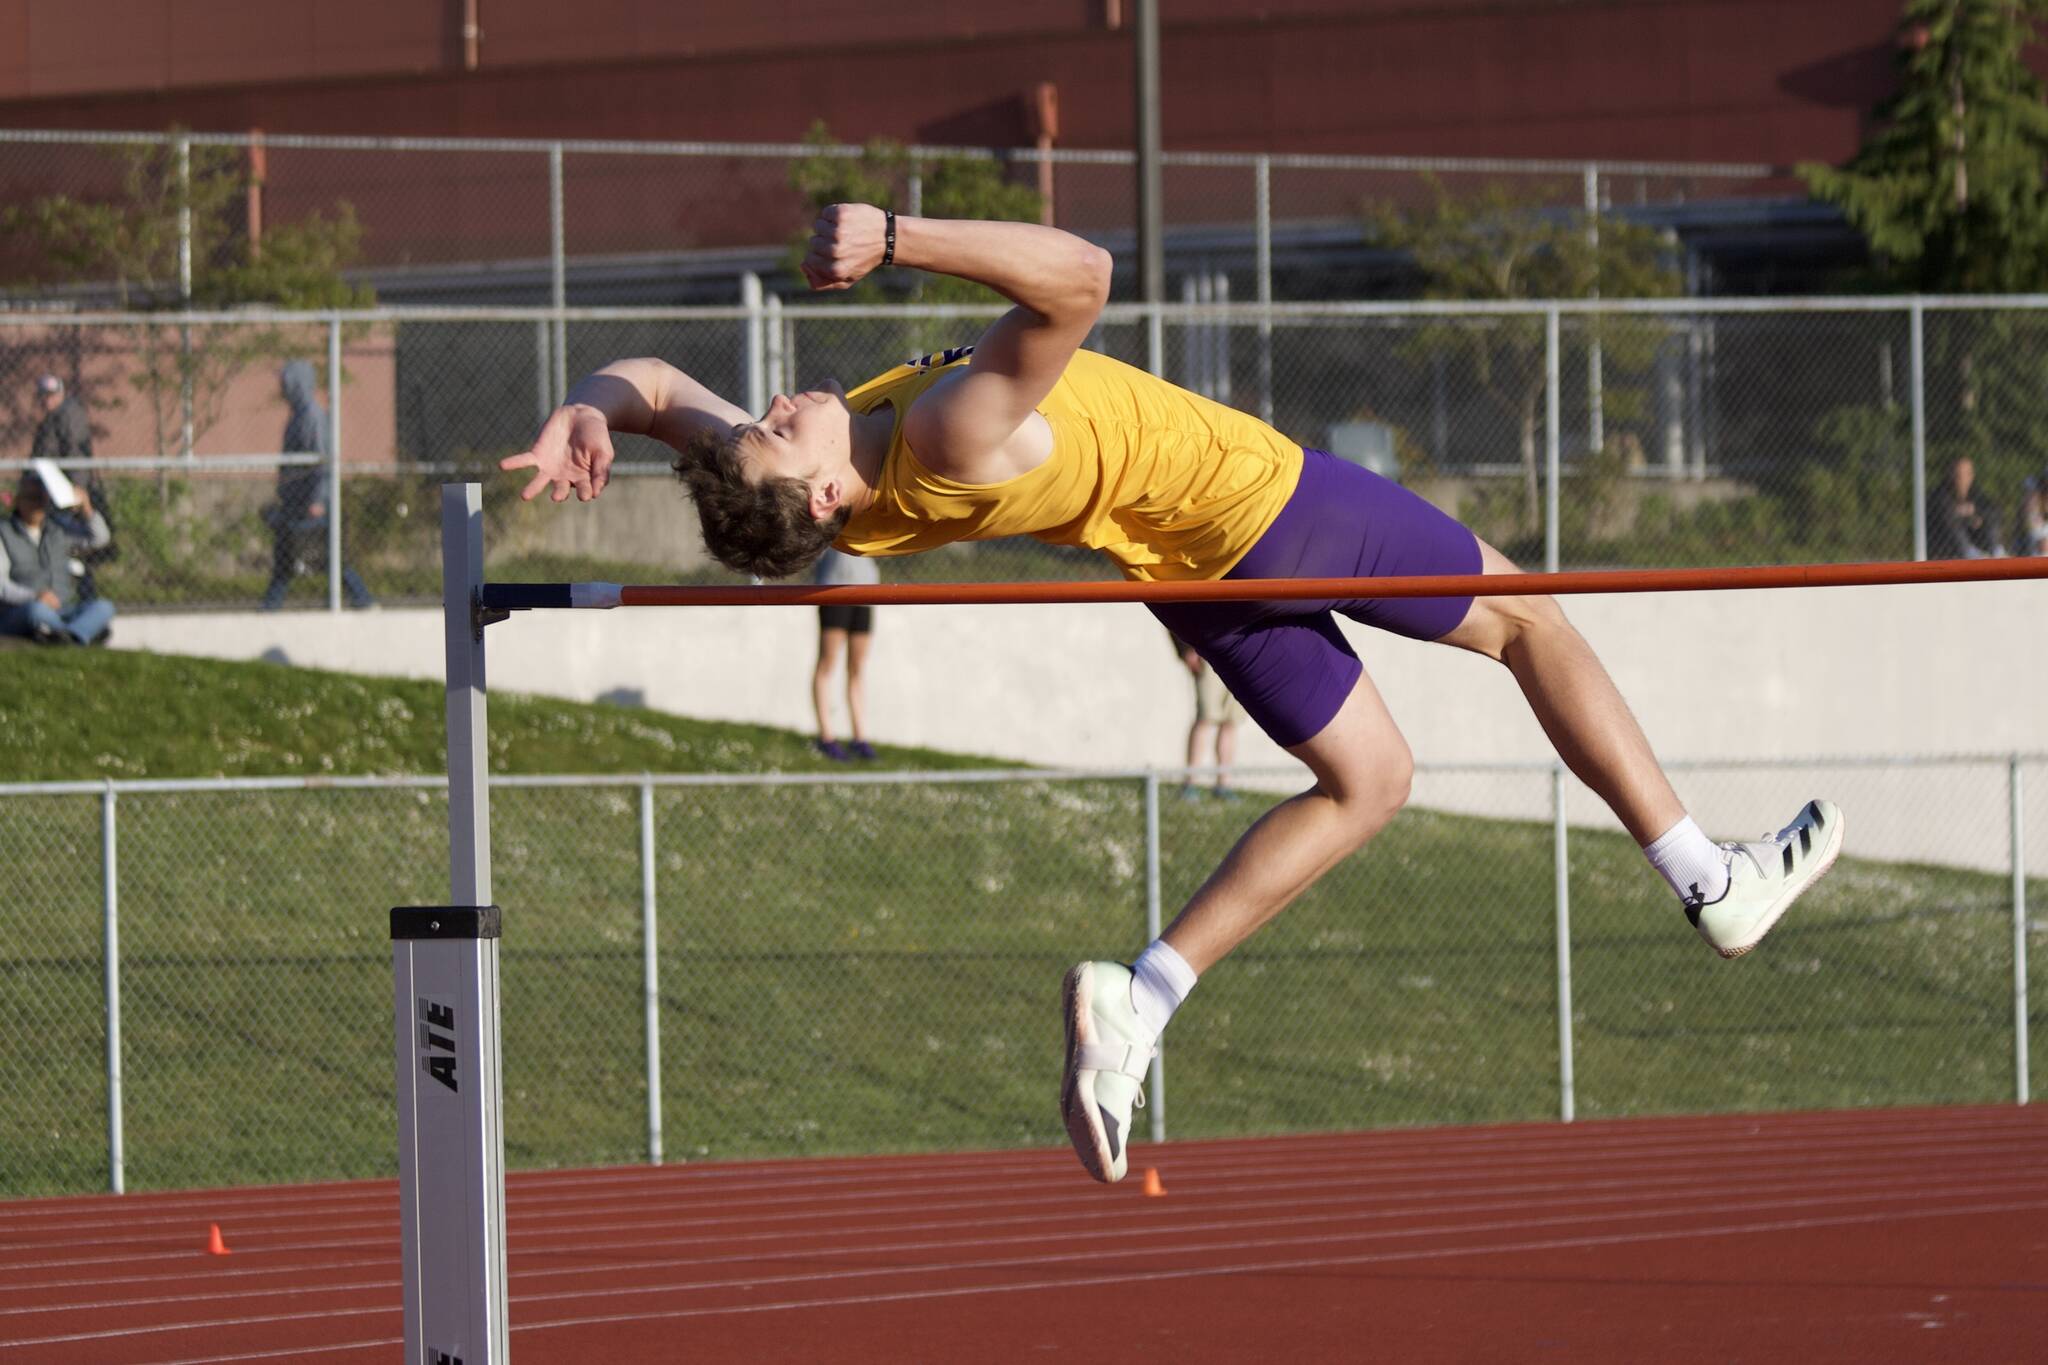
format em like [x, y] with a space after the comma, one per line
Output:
[1551, 439]
[1561, 869]
[1157, 1104]
[1916, 388]
[1596, 415]
[753, 350]
[543, 374]
[650, 972]
[1262, 232]
[110, 899]
[2015, 800]
[775, 342]
[334, 436]
[186, 428]
[558, 271]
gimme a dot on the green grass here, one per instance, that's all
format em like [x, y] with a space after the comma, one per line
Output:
[856, 969]
[73, 714]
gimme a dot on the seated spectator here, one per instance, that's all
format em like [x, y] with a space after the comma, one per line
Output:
[2030, 532]
[1961, 521]
[298, 518]
[37, 544]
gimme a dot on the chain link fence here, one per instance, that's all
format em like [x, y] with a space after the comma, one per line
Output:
[1666, 433]
[521, 221]
[1643, 434]
[198, 973]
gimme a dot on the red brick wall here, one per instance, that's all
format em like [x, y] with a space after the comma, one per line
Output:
[1753, 80]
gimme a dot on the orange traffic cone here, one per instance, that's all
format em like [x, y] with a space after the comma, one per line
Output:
[1152, 1185]
[214, 1245]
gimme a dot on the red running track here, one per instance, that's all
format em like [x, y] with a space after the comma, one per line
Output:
[1892, 1235]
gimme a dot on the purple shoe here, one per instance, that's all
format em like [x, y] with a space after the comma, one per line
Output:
[832, 749]
[862, 749]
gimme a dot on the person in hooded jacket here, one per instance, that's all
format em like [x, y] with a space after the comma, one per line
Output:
[298, 518]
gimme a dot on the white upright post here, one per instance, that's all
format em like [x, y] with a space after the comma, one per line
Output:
[451, 1137]
[469, 794]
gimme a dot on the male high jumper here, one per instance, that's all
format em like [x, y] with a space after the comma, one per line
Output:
[1025, 433]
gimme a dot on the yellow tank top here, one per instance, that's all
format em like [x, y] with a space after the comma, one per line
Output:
[1167, 483]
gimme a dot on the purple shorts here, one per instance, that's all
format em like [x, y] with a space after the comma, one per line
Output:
[1286, 662]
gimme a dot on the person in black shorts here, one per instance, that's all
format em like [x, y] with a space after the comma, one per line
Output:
[843, 632]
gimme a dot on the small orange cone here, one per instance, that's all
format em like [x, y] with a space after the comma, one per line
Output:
[1152, 1186]
[214, 1245]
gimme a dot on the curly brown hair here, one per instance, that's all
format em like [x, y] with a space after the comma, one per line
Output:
[762, 527]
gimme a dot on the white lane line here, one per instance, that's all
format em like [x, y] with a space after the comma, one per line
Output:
[955, 1266]
[807, 1209]
[1366, 1204]
[860, 1243]
[1613, 1136]
[1374, 1258]
[1267, 1267]
[1089, 1203]
[289, 1352]
[1237, 1245]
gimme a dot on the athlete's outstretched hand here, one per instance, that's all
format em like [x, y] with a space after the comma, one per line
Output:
[573, 452]
[846, 243]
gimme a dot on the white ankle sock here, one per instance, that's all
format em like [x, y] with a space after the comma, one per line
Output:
[1160, 980]
[1688, 859]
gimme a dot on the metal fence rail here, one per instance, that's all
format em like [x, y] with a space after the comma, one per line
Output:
[1710, 432]
[747, 965]
[521, 220]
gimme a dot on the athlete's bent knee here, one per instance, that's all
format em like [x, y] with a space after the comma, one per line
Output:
[1517, 619]
[1370, 804]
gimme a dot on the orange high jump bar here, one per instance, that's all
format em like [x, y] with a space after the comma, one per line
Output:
[504, 597]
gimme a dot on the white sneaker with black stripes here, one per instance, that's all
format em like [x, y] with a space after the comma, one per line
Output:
[1108, 1053]
[1765, 877]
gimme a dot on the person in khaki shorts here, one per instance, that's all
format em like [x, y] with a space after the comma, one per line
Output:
[1216, 714]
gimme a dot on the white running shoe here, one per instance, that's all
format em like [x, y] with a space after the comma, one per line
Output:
[1765, 877]
[1108, 1054]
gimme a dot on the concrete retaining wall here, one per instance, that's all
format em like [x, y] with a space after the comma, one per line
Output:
[1747, 675]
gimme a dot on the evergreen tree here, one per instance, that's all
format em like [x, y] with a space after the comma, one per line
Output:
[1948, 188]
[1950, 192]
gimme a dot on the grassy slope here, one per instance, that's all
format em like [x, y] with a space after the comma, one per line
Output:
[854, 969]
[115, 713]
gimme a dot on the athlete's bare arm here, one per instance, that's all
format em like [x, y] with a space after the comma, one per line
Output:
[573, 450]
[977, 425]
